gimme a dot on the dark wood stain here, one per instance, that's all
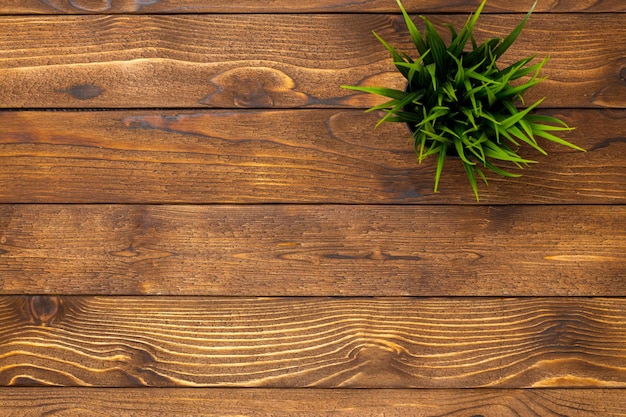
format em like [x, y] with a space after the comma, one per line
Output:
[84, 92]
[45, 310]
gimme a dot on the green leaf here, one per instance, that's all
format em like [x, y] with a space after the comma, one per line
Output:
[508, 41]
[456, 46]
[491, 96]
[420, 143]
[398, 105]
[477, 149]
[450, 92]
[385, 105]
[459, 77]
[409, 117]
[470, 116]
[436, 45]
[432, 150]
[418, 40]
[517, 91]
[478, 76]
[500, 171]
[507, 135]
[516, 71]
[473, 40]
[525, 124]
[556, 139]
[381, 91]
[483, 54]
[535, 118]
[396, 56]
[450, 132]
[495, 124]
[527, 138]
[436, 136]
[459, 149]
[435, 112]
[413, 67]
[469, 169]
[492, 150]
[432, 71]
[441, 157]
[453, 33]
[514, 118]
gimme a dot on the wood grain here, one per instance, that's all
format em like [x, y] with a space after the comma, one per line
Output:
[299, 156]
[215, 402]
[312, 342]
[288, 6]
[313, 250]
[142, 294]
[270, 60]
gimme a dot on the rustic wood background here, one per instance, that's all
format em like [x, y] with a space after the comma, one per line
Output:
[190, 203]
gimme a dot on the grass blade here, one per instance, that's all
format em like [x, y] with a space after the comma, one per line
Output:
[418, 40]
[441, 157]
[508, 41]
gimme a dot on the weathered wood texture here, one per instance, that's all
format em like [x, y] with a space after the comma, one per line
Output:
[215, 402]
[312, 342]
[56, 259]
[290, 6]
[270, 60]
[313, 250]
[287, 156]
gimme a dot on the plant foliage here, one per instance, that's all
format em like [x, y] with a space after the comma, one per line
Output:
[457, 100]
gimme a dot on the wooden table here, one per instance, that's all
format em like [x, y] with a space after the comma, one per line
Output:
[207, 213]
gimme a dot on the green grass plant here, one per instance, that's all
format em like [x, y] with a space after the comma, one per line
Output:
[458, 102]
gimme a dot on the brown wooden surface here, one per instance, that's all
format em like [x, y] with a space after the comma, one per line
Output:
[313, 342]
[156, 402]
[270, 60]
[290, 6]
[313, 250]
[312, 156]
[205, 112]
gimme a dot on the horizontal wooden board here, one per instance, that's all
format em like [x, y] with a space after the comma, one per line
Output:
[282, 156]
[313, 250]
[312, 342]
[257, 402]
[289, 6]
[268, 60]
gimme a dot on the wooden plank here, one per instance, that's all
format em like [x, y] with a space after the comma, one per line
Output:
[159, 402]
[289, 6]
[313, 250]
[303, 156]
[266, 60]
[312, 342]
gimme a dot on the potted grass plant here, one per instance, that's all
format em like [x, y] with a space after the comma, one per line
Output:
[458, 102]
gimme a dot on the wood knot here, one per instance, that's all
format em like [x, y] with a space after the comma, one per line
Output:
[82, 5]
[254, 88]
[42, 310]
[397, 24]
[84, 92]
[562, 334]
